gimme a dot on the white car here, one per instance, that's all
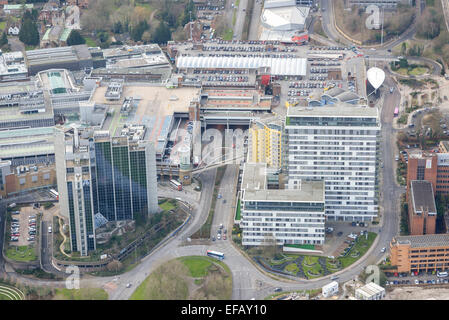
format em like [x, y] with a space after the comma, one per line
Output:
[218, 237]
[383, 250]
[49, 229]
[416, 281]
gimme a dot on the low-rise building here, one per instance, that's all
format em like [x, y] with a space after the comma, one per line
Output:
[12, 66]
[26, 178]
[330, 289]
[370, 291]
[14, 30]
[420, 253]
[17, 8]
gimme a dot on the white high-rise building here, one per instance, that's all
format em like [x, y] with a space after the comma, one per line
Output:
[337, 144]
[283, 216]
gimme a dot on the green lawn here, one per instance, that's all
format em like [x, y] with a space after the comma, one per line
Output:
[81, 294]
[292, 267]
[22, 253]
[90, 42]
[2, 25]
[170, 281]
[418, 71]
[238, 211]
[301, 246]
[362, 245]
[197, 266]
[228, 35]
[310, 263]
[310, 260]
[167, 206]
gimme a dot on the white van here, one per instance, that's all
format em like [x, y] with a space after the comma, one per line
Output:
[442, 274]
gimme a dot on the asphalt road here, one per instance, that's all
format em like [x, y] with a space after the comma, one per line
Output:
[333, 34]
[255, 20]
[2, 235]
[240, 19]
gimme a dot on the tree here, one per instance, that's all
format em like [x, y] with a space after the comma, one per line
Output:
[179, 34]
[28, 33]
[429, 24]
[137, 31]
[114, 265]
[75, 38]
[403, 48]
[3, 39]
[269, 247]
[162, 34]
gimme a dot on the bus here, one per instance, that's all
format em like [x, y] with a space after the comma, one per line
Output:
[54, 193]
[396, 111]
[215, 254]
[175, 185]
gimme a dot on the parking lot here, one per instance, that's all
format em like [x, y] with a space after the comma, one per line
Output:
[337, 240]
[24, 226]
[423, 278]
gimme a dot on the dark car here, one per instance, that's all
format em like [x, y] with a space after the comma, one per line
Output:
[277, 289]
[340, 233]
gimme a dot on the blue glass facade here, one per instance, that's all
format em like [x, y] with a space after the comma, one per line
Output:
[104, 179]
[122, 184]
[88, 216]
[72, 216]
[138, 181]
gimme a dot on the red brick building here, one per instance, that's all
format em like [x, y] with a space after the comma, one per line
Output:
[429, 166]
[421, 208]
[420, 253]
[422, 166]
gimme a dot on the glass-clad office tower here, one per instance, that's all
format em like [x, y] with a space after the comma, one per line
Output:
[126, 176]
[97, 173]
[73, 169]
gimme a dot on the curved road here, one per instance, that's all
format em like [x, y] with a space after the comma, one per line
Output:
[248, 280]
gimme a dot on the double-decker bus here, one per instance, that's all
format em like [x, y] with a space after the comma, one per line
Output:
[215, 254]
[54, 193]
[175, 185]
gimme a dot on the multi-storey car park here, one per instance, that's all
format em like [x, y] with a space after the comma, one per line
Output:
[337, 144]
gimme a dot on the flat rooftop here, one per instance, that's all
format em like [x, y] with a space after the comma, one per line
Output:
[311, 191]
[254, 176]
[422, 197]
[153, 106]
[254, 181]
[60, 54]
[424, 241]
[235, 99]
[278, 66]
[17, 87]
[338, 109]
